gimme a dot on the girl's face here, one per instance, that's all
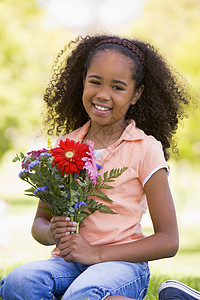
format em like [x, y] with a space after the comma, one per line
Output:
[109, 89]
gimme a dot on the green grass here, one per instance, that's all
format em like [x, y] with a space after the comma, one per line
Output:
[157, 279]
[184, 267]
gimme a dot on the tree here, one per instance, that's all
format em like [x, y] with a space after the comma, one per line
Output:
[174, 28]
[26, 59]
[25, 62]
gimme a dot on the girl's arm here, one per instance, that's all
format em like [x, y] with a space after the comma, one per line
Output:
[163, 243]
[47, 229]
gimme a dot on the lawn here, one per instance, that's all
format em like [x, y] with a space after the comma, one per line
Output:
[21, 247]
[17, 246]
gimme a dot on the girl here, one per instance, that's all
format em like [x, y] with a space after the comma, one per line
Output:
[122, 95]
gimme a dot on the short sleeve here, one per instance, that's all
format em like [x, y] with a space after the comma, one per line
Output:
[152, 159]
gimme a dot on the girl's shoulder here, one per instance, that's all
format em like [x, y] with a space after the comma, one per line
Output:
[134, 133]
[76, 135]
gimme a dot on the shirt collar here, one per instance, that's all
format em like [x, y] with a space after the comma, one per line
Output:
[83, 131]
[131, 133]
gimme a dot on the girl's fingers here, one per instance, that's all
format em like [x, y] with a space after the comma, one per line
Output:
[66, 231]
[57, 224]
[65, 234]
[61, 226]
[57, 233]
[61, 218]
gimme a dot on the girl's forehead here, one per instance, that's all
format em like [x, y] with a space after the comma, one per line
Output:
[111, 57]
[112, 66]
[115, 54]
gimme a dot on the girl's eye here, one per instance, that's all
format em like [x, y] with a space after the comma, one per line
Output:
[118, 88]
[94, 82]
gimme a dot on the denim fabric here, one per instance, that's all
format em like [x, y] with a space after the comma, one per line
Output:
[55, 277]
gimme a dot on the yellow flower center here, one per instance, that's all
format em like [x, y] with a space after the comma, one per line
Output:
[69, 154]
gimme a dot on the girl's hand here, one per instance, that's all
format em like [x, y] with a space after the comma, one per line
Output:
[74, 248]
[61, 225]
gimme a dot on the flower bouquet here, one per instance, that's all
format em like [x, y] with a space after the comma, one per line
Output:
[67, 179]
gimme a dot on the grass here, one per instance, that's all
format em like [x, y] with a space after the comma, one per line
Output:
[157, 279]
[21, 247]
[183, 267]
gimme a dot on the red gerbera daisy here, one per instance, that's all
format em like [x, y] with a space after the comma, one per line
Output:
[68, 156]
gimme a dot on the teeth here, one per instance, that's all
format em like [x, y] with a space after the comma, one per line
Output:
[101, 107]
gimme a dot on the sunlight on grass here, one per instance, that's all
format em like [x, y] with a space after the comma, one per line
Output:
[19, 247]
[183, 267]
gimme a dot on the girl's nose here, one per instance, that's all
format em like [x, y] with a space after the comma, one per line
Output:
[104, 94]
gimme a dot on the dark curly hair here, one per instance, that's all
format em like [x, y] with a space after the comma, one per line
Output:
[158, 110]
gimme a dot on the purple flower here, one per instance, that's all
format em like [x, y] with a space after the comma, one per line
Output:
[25, 162]
[79, 204]
[45, 154]
[61, 186]
[30, 156]
[40, 189]
[33, 164]
[99, 167]
[22, 174]
[36, 153]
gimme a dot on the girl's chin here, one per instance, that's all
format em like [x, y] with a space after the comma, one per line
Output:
[106, 123]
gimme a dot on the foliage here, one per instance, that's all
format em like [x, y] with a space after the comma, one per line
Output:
[26, 59]
[174, 28]
[25, 63]
[65, 192]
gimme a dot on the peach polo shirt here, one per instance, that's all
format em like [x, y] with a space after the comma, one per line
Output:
[143, 155]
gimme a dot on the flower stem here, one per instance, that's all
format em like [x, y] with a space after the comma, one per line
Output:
[71, 197]
[77, 228]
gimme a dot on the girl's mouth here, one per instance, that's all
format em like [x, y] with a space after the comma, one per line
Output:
[101, 108]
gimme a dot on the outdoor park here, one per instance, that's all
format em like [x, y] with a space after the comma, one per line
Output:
[30, 39]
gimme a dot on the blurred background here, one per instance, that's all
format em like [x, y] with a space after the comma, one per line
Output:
[31, 34]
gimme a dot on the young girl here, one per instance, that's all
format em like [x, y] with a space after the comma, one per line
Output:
[122, 95]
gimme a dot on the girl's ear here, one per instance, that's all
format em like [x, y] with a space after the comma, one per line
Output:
[137, 94]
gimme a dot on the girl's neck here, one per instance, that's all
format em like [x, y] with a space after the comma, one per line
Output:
[104, 136]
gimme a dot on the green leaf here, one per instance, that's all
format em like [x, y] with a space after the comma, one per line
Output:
[16, 158]
[105, 186]
[47, 209]
[105, 175]
[31, 195]
[101, 195]
[22, 155]
[114, 173]
[30, 190]
[105, 209]
[93, 206]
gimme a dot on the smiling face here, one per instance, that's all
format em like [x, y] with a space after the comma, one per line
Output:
[109, 88]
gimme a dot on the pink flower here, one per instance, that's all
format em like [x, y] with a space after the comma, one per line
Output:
[31, 156]
[90, 163]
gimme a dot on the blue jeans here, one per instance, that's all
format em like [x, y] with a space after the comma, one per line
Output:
[73, 281]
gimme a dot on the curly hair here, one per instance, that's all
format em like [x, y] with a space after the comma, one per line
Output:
[157, 112]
